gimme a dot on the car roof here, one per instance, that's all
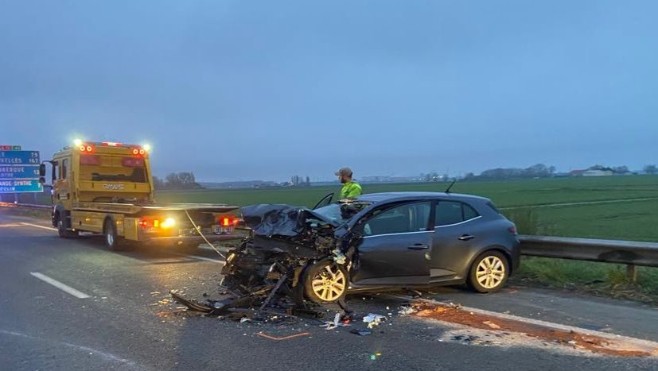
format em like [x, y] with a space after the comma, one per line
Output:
[406, 196]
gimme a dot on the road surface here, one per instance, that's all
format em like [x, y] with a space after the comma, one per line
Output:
[70, 304]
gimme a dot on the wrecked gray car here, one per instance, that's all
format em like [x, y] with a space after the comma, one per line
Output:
[294, 249]
[379, 241]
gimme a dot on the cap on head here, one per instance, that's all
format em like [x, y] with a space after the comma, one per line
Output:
[344, 171]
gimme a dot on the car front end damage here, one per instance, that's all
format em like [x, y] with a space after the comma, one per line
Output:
[292, 259]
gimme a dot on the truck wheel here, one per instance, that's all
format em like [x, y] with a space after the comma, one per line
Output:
[325, 282]
[62, 231]
[110, 233]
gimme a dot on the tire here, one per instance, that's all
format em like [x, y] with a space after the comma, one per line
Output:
[112, 240]
[325, 282]
[62, 231]
[489, 272]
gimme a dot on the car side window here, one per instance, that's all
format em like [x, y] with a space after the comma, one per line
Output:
[405, 218]
[453, 212]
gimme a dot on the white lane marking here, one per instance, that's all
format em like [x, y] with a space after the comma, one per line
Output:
[9, 225]
[67, 289]
[39, 226]
[105, 355]
[201, 258]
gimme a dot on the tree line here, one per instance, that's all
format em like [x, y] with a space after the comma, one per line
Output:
[544, 171]
[182, 180]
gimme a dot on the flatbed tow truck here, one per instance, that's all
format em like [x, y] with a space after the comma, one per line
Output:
[107, 188]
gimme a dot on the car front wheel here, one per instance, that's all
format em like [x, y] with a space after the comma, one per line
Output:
[325, 282]
[489, 272]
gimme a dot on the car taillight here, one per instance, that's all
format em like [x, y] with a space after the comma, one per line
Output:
[226, 223]
[513, 230]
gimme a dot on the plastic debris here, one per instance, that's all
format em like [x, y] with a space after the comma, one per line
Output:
[492, 325]
[406, 311]
[360, 332]
[373, 320]
[339, 321]
[339, 257]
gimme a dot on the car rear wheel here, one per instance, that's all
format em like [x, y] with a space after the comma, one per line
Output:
[489, 272]
[325, 282]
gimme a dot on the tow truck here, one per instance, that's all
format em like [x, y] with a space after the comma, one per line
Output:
[107, 188]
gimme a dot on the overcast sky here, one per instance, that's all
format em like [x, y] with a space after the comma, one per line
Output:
[238, 90]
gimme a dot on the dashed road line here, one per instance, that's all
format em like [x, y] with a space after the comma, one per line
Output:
[38, 226]
[67, 289]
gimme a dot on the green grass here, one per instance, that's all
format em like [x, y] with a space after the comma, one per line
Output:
[598, 278]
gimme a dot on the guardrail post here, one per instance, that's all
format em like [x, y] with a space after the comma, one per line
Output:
[631, 273]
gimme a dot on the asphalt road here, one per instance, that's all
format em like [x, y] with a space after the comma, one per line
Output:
[112, 311]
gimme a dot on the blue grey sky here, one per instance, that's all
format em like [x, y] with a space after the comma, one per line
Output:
[237, 90]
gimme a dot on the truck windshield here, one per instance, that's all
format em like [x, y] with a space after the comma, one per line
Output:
[113, 168]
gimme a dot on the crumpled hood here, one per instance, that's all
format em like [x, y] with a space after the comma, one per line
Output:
[279, 220]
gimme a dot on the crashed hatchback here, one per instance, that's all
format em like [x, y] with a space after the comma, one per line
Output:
[379, 241]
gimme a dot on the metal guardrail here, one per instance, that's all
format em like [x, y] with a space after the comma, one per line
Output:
[27, 206]
[609, 251]
[631, 253]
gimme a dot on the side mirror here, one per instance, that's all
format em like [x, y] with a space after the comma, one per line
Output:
[42, 171]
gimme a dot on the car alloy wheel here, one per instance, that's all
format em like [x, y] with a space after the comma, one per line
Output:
[326, 282]
[489, 272]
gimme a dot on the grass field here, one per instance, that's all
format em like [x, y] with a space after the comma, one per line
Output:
[624, 207]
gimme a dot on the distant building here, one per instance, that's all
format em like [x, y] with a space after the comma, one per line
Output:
[577, 172]
[598, 173]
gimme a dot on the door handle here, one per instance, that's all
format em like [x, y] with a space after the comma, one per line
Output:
[466, 237]
[418, 246]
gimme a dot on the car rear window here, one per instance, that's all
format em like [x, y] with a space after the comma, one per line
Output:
[494, 208]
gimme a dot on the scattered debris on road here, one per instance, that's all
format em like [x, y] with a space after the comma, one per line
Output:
[360, 332]
[278, 338]
[455, 314]
[373, 320]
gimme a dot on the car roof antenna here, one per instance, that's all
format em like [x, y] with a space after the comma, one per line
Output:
[450, 186]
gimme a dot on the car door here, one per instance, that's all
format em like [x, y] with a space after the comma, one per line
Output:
[326, 200]
[455, 235]
[396, 245]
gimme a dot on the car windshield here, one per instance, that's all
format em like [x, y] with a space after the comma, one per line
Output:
[340, 212]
